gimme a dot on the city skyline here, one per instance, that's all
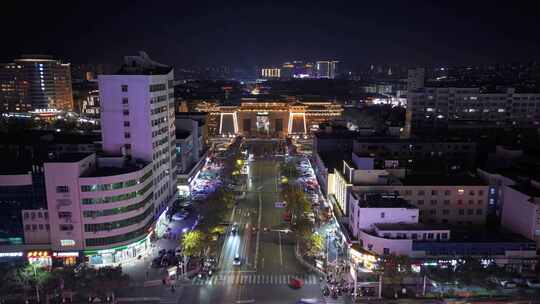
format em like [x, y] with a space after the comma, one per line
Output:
[253, 34]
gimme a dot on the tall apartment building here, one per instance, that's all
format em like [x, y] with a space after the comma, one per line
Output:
[432, 108]
[326, 69]
[35, 82]
[416, 78]
[137, 119]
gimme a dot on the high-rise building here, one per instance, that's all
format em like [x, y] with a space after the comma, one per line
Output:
[35, 82]
[137, 116]
[415, 79]
[326, 69]
[270, 73]
[431, 108]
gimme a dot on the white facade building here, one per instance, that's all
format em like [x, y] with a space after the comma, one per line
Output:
[137, 116]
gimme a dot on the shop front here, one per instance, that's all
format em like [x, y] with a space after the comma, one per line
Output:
[12, 258]
[66, 258]
[118, 255]
[362, 260]
[40, 258]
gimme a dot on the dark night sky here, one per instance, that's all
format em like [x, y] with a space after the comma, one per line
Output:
[200, 32]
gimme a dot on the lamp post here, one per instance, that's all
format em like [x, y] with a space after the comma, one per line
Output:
[35, 277]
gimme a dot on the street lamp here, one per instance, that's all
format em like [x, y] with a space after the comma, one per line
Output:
[35, 277]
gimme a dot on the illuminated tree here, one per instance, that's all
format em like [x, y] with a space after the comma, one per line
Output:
[193, 243]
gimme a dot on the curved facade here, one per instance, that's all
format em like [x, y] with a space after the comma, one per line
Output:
[103, 206]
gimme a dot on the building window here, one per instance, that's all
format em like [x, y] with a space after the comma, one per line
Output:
[408, 192]
[125, 101]
[430, 236]
[26, 215]
[460, 202]
[40, 215]
[414, 236]
[432, 211]
[446, 202]
[479, 211]
[446, 211]
[47, 227]
[386, 251]
[421, 192]
[124, 88]
[470, 211]
[461, 211]
[382, 214]
[471, 202]
[446, 192]
[461, 191]
[66, 227]
[62, 189]
[126, 123]
[433, 192]
[420, 202]
[471, 192]
[40, 226]
[127, 135]
[444, 236]
[480, 192]
[27, 227]
[34, 227]
[433, 202]
[480, 202]
[126, 112]
[46, 214]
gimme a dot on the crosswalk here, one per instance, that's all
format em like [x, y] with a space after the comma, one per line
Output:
[253, 279]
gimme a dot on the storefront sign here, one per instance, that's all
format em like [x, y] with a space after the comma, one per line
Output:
[65, 254]
[10, 254]
[37, 254]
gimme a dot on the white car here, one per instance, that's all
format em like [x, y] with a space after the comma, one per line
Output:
[237, 261]
[533, 283]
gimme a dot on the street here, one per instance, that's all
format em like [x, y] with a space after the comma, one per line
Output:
[267, 259]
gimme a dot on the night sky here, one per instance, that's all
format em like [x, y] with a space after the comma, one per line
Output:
[195, 33]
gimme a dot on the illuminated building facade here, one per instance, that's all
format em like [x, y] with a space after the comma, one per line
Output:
[35, 82]
[268, 118]
[271, 73]
[326, 69]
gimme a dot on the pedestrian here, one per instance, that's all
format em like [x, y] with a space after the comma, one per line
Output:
[147, 275]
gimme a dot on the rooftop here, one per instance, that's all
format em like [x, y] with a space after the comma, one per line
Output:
[127, 167]
[442, 180]
[182, 134]
[410, 227]
[142, 65]
[527, 188]
[334, 160]
[485, 235]
[381, 200]
[69, 157]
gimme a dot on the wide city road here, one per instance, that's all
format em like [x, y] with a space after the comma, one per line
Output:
[266, 252]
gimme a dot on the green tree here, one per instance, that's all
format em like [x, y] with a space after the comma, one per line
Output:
[92, 283]
[394, 268]
[297, 203]
[216, 210]
[193, 243]
[29, 277]
[290, 170]
[315, 244]
[470, 270]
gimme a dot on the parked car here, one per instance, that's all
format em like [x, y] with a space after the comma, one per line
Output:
[533, 283]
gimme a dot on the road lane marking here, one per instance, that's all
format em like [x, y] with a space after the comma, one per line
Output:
[258, 233]
[280, 250]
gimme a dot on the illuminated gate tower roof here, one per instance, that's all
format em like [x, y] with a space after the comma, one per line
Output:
[254, 117]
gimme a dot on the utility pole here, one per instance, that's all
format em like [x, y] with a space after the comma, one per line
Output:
[37, 288]
[380, 286]
[424, 286]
